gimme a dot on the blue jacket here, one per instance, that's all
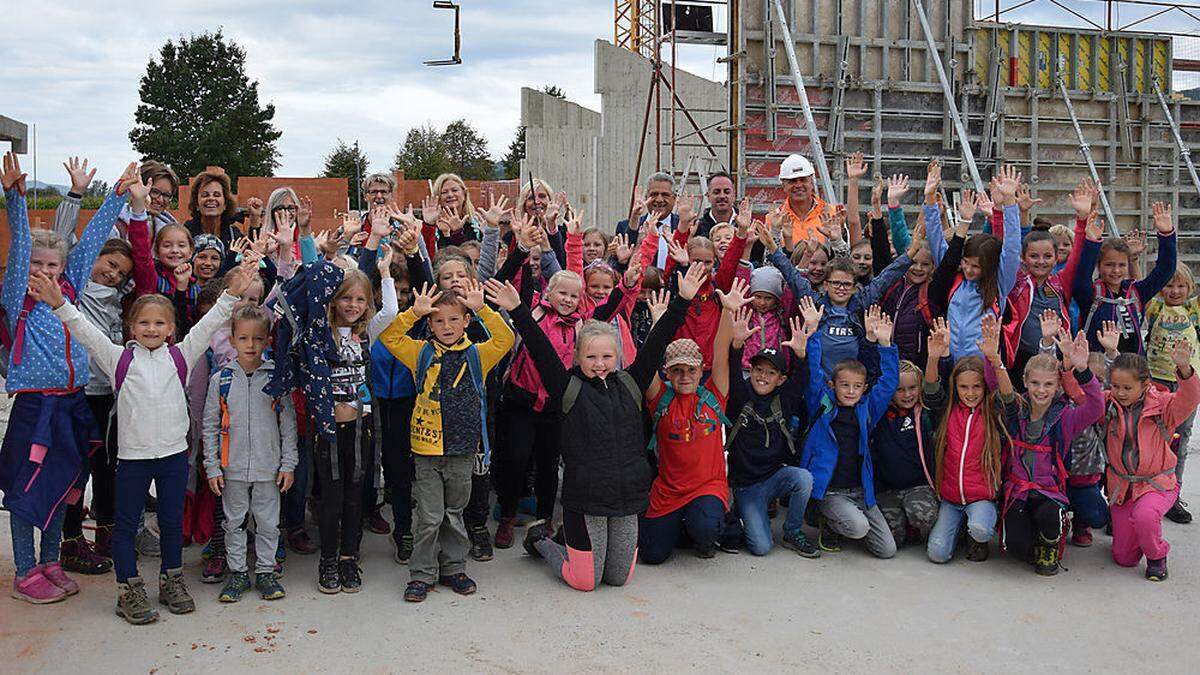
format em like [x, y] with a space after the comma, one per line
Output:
[896, 452]
[49, 360]
[389, 377]
[821, 447]
[1083, 290]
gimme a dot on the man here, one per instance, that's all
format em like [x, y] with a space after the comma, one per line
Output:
[803, 207]
[658, 197]
[720, 199]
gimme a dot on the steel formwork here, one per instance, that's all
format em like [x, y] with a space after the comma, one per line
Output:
[873, 87]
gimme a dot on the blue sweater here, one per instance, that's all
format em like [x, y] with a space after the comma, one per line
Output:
[1083, 292]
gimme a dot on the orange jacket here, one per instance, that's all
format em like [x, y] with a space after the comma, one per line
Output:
[1162, 413]
[806, 226]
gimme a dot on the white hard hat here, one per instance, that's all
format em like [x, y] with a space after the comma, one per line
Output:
[795, 166]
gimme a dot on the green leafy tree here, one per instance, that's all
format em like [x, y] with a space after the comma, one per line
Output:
[423, 154]
[349, 162]
[466, 151]
[98, 188]
[510, 164]
[199, 108]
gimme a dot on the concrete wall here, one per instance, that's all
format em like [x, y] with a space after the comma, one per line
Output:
[560, 147]
[16, 133]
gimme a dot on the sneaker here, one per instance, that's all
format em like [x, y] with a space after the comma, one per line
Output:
[238, 584]
[459, 583]
[77, 555]
[1156, 570]
[537, 531]
[417, 591]
[1178, 512]
[403, 547]
[103, 545]
[798, 542]
[146, 543]
[209, 550]
[277, 569]
[328, 579]
[173, 592]
[504, 532]
[36, 588]
[54, 572]
[828, 540]
[481, 543]
[1081, 535]
[299, 541]
[268, 586]
[375, 523]
[214, 570]
[1046, 562]
[133, 604]
[705, 551]
[350, 576]
[281, 550]
[977, 551]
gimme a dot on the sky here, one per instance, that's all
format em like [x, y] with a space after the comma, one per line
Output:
[348, 70]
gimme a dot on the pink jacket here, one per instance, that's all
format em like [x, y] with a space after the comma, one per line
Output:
[561, 331]
[1155, 469]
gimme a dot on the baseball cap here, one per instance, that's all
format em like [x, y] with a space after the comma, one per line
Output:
[683, 351]
[772, 356]
[795, 166]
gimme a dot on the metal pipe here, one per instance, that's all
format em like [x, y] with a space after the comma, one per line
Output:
[1087, 155]
[964, 140]
[1184, 153]
[798, 82]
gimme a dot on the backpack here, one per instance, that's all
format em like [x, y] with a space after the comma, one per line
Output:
[958, 279]
[704, 397]
[1130, 298]
[126, 358]
[776, 418]
[223, 383]
[571, 395]
[12, 344]
[922, 299]
[475, 368]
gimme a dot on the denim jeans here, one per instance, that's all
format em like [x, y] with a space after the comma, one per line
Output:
[702, 518]
[981, 525]
[1088, 506]
[133, 477]
[751, 504]
[22, 541]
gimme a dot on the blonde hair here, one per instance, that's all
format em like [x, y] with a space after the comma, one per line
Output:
[49, 239]
[719, 227]
[1184, 273]
[592, 329]
[1060, 230]
[538, 184]
[145, 301]
[562, 276]
[352, 278]
[468, 209]
[698, 242]
[907, 366]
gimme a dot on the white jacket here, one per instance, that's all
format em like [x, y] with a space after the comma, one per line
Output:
[152, 411]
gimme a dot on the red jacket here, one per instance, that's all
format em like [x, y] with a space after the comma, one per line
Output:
[1020, 299]
[1155, 469]
[963, 480]
[704, 316]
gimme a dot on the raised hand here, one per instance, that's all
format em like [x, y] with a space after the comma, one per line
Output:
[883, 329]
[494, 212]
[939, 338]
[383, 263]
[776, 218]
[744, 217]
[621, 249]
[241, 276]
[967, 205]
[1074, 352]
[690, 283]
[1007, 182]
[1050, 323]
[1083, 199]
[876, 210]
[406, 240]
[918, 239]
[871, 321]
[640, 205]
[473, 298]
[406, 216]
[798, 342]
[430, 210]
[897, 186]
[1109, 337]
[129, 175]
[183, 275]
[1136, 240]
[686, 208]
[503, 295]
[45, 288]
[254, 212]
[741, 326]
[812, 314]
[633, 273]
[139, 195]
[1181, 356]
[574, 222]
[984, 203]
[933, 179]
[81, 178]
[12, 176]
[1163, 220]
[678, 253]
[989, 342]
[1025, 200]
[304, 215]
[856, 168]
[828, 227]
[657, 303]
[423, 299]
[736, 298]
[381, 223]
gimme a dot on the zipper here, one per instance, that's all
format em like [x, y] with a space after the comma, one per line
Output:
[962, 459]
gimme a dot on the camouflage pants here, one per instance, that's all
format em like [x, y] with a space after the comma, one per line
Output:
[915, 507]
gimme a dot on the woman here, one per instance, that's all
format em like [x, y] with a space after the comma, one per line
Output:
[213, 207]
[449, 213]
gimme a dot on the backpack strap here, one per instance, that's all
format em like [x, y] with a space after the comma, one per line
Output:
[122, 369]
[475, 366]
[424, 359]
[224, 381]
[664, 402]
[631, 386]
[181, 367]
[571, 394]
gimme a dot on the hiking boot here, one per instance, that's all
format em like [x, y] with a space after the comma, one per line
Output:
[133, 604]
[238, 584]
[173, 592]
[977, 551]
[799, 543]
[1046, 562]
[349, 575]
[328, 579]
[1178, 512]
[459, 583]
[299, 541]
[375, 523]
[36, 588]
[1156, 570]
[416, 591]
[77, 555]
[504, 532]
[54, 572]
[268, 586]
[214, 570]
[828, 540]
[481, 543]
[536, 532]
[146, 543]
[103, 544]
[403, 547]
[1081, 535]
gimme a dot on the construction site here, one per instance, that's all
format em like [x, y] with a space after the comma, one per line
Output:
[902, 82]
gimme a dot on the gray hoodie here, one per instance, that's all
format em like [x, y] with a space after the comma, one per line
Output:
[262, 442]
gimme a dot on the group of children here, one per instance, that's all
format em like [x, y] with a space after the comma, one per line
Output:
[685, 386]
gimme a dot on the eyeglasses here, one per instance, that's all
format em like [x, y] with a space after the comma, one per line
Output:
[289, 209]
[843, 285]
[155, 193]
[379, 193]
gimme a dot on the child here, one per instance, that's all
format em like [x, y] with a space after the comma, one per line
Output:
[249, 453]
[208, 257]
[595, 244]
[902, 455]
[168, 272]
[1088, 460]
[1174, 315]
[1141, 465]
[767, 317]
[606, 477]
[1064, 244]
[43, 459]
[1040, 433]
[835, 452]
[640, 320]
[450, 370]
[153, 373]
[1114, 296]
[968, 445]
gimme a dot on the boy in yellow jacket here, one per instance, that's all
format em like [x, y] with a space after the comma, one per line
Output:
[450, 371]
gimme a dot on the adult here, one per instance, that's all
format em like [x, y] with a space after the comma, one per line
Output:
[449, 214]
[213, 207]
[803, 207]
[657, 197]
[720, 209]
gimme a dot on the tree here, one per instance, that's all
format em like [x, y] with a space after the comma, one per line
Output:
[510, 165]
[423, 154]
[98, 188]
[198, 108]
[347, 161]
[466, 151]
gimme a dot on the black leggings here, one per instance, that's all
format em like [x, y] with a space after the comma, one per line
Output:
[1025, 522]
[102, 464]
[340, 518]
[396, 457]
[528, 434]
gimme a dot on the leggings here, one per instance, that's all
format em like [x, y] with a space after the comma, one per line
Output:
[103, 466]
[340, 519]
[1026, 522]
[396, 457]
[528, 434]
[598, 549]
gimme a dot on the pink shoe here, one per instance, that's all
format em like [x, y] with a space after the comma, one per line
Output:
[54, 572]
[36, 588]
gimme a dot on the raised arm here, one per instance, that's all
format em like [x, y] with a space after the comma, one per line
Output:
[1164, 265]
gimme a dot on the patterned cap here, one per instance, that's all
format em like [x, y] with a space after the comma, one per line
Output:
[205, 242]
[684, 351]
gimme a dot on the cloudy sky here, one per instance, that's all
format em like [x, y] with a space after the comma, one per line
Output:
[349, 70]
